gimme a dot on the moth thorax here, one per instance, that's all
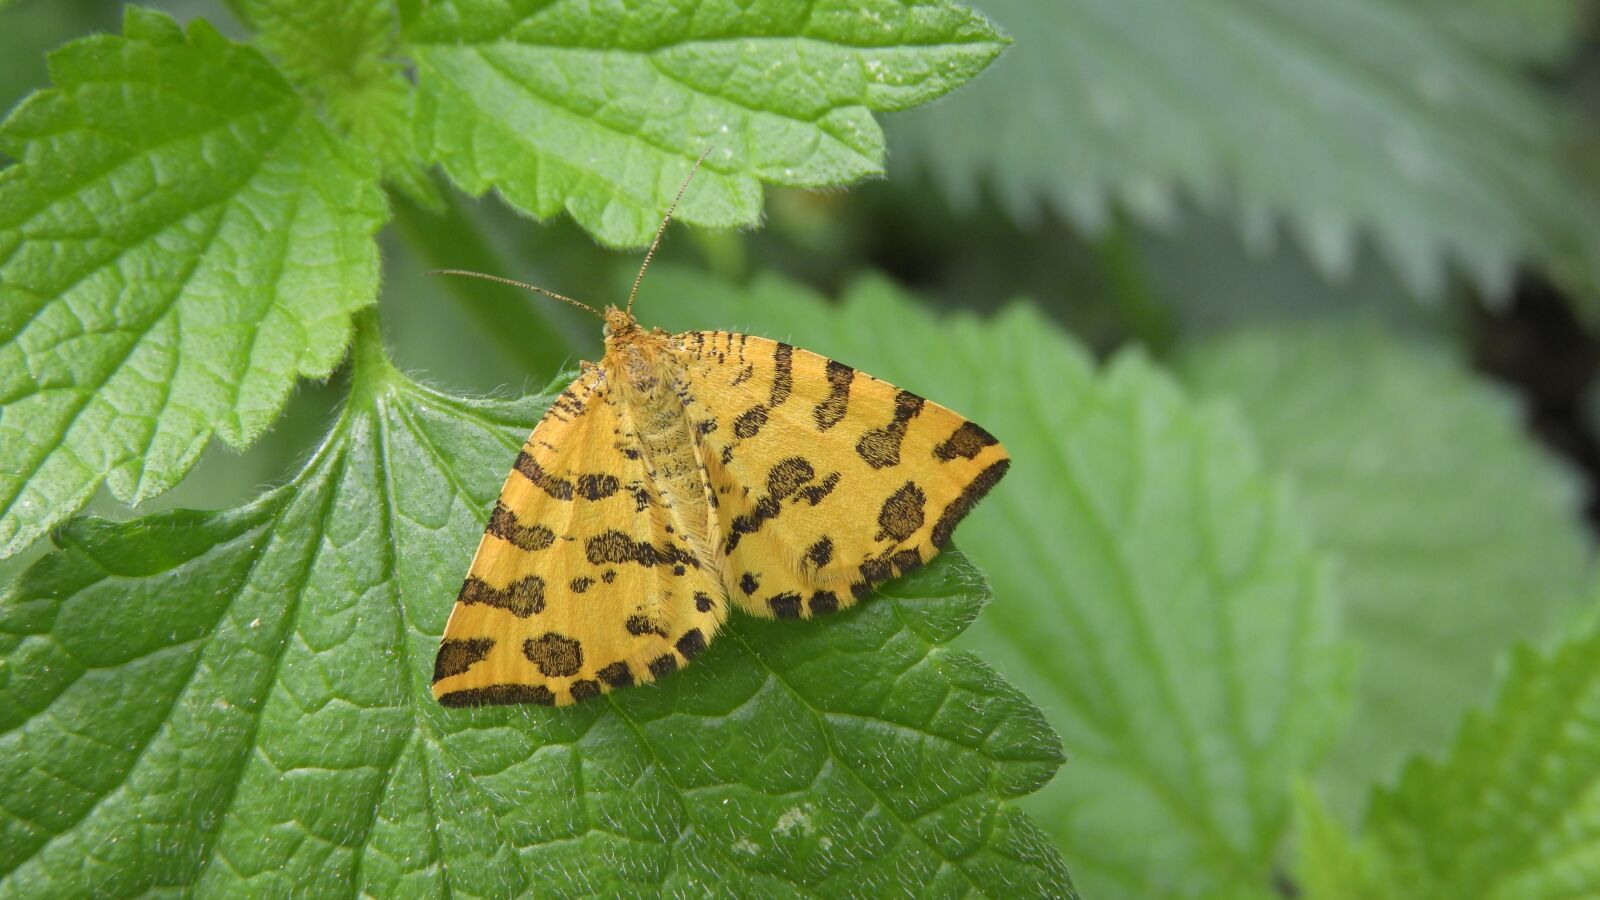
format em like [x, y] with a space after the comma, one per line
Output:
[644, 366]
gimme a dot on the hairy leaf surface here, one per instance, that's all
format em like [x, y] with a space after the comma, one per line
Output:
[601, 109]
[179, 241]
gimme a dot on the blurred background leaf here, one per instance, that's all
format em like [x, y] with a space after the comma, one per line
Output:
[1340, 120]
[1508, 814]
[1454, 535]
[1525, 32]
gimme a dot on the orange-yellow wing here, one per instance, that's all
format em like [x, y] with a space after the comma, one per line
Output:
[579, 585]
[828, 481]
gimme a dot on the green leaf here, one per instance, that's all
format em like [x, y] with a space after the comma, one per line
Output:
[237, 702]
[1331, 865]
[1510, 813]
[1154, 592]
[1421, 479]
[1525, 32]
[180, 240]
[345, 52]
[601, 109]
[1338, 119]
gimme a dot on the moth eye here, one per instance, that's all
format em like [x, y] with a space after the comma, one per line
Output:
[605, 331]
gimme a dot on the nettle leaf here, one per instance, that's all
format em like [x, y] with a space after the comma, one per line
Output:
[1329, 865]
[601, 109]
[237, 702]
[1509, 814]
[1531, 31]
[180, 241]
[345, 53]
[1155, 592]
[1337, 119]
[1422, 481]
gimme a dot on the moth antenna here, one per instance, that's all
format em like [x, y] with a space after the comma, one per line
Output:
[521, 284]
[663, 229]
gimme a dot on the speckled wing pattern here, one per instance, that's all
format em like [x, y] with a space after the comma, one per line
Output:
[820, 483]
[579, 585]
[827, 481]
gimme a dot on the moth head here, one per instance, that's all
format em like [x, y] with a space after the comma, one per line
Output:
[619, 323]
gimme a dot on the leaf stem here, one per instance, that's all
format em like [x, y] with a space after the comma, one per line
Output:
[370, 367]
[533, 334]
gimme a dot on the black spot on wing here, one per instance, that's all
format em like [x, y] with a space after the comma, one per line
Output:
[615, 547]
[691, 643]
[963, 504]
[597, 487]
[503, 524]
[617, 674]
[902, 514]
[641, 497]
[663, 665]
[500, 695]
[558, 488]
[785, 606]
[820, 553]
[702, 601]
[908, 560]
[782, 374]
[585, 689]
[748, 423]
[766, 508]
[642, 625]
[787, 476]
[555, 655]
[831, 410]
[523, 598]
[456, 655]
[749, 583]
[823, 602]
[877, 570]
[880, 447]
[813, 494]
[966, 442]
[581, 583]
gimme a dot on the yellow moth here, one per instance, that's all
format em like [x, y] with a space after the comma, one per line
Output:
[685, 474]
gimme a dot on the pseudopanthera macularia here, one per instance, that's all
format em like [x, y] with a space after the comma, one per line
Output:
[687, 473]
